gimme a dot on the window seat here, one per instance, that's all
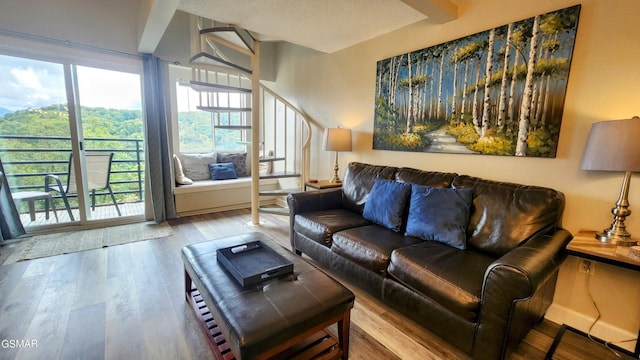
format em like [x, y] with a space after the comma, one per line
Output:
[205, 196]
[204, 185]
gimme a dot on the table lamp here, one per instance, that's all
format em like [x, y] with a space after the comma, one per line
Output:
[336, 139]
[615, 146]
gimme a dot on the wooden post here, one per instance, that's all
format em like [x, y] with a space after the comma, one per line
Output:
[255, 134]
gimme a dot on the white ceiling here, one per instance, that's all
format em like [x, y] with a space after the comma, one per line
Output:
[322, 25]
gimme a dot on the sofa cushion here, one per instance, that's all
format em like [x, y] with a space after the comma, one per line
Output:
[370, 246]
[196, 166]
[386, 202]
[422, 177]
[358, 181]
[319, 226]
[238, 159]
[451, 277]
[222, 171]
[439, 214]
[504, 215]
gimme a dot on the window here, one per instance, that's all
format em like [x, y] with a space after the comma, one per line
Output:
[195, 128]
[39, 129]
[223, 127]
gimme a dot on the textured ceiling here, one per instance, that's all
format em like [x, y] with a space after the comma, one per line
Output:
[323, 25]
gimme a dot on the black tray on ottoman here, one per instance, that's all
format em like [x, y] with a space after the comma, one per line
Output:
[252, 263]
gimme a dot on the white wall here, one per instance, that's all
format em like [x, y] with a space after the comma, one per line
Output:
[108, 24]
[604, 84]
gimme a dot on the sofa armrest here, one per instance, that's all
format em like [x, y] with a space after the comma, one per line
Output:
[307, 201]
[528, 265]
[515, 279]
[302, 202]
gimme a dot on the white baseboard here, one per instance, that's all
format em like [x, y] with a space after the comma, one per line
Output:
[562, 315]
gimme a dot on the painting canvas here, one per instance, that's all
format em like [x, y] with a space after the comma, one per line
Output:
[498, 92]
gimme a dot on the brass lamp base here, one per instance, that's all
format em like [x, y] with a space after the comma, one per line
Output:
[611, 238]
[617, 233]
[335, 179]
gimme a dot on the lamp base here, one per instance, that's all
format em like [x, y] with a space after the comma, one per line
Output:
[335, 179]
[610, 238]
[617, 233]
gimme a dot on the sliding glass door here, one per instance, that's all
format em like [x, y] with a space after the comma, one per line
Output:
[71, 139]
[110, 104]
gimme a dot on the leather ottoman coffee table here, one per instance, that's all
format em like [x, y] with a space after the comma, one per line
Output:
[277, 319]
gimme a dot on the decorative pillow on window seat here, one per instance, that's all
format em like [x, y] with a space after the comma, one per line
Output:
[196, 165]
[439, 214]
[238, 159]
[386, 202]
[222, 171]
[179, 173]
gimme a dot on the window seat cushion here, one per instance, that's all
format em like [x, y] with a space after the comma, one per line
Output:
[206, 185]
[206, 196]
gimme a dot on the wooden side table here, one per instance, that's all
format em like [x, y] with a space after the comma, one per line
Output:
[584, 245]
[321, 184]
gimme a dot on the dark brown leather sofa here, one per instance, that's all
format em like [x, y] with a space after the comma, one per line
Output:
[483, 299]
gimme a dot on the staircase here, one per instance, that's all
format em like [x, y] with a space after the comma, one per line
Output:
[225, 67]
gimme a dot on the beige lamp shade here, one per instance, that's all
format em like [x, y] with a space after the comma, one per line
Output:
[613, 146]
[337, 139]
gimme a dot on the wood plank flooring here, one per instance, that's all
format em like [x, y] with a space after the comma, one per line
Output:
[127, 302]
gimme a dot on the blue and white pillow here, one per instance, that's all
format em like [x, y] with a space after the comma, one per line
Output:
[238, 159]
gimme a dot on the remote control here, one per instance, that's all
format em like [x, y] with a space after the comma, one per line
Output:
[245, 247]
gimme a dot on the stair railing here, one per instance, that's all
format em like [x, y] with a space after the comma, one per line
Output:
[276, 115]
[304, 132]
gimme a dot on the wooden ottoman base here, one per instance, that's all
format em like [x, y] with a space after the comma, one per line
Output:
[281, 318]
[318, 345]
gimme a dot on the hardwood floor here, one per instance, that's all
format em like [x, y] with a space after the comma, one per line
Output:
[127, 302]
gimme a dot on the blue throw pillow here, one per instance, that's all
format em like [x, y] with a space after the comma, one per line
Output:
[222, 171]
[385, 204]
[439, 214]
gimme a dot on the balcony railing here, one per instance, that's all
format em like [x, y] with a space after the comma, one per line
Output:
[28, 159]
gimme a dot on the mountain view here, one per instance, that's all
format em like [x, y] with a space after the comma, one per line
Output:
[46, 131]
[37, 142]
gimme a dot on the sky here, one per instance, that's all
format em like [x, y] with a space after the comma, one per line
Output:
[30, 83]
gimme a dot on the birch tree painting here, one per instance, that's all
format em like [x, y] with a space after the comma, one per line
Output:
[498, 92]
